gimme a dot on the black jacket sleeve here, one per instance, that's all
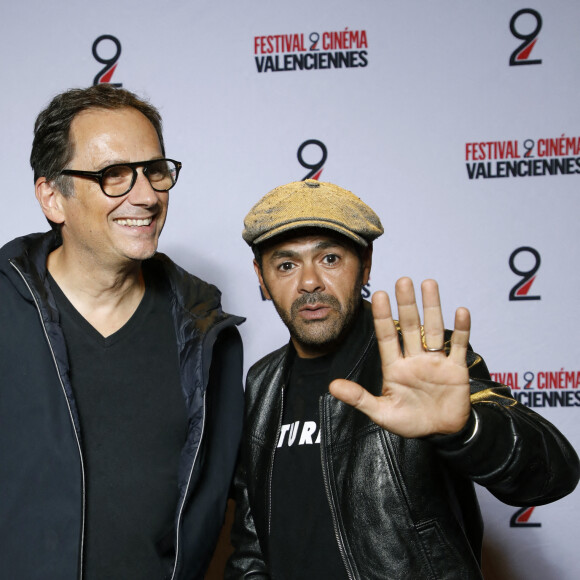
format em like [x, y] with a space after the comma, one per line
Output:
[247, 561]
[515, 453]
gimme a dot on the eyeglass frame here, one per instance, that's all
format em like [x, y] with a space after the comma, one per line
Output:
[98, 175]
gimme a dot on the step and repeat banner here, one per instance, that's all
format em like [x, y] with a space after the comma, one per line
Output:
[458, 122]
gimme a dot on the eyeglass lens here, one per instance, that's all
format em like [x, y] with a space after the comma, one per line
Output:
[119, 179]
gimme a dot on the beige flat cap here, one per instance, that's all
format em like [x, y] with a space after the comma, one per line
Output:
[311, 204]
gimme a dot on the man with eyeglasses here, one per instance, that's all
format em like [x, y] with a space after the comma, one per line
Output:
[120, 391]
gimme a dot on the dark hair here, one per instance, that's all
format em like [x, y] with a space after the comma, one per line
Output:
[52, 148]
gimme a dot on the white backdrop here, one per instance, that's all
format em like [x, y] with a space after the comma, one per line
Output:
[432, 79]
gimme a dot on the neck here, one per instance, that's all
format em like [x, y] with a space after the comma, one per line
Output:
[105, 297]
[313, 351]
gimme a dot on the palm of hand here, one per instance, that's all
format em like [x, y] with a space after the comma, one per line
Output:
[423, 394]
[425, 391]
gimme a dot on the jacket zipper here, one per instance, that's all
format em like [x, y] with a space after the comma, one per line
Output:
[182, 506]
[278, 431]
[337, 533]
[216, 331]
[333, 511]
[81, 550]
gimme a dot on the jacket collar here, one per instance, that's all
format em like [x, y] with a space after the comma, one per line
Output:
[355, 346]
[28, 254]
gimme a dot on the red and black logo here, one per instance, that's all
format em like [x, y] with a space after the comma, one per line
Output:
[316, 167]
[106, 73]
[521, 290]
[320, 50]
[543, 388]
[531, 158]
[521, 519]
[521, 55]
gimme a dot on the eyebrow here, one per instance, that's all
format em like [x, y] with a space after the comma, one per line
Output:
[283, 254]
[322, 245]
[109, 163]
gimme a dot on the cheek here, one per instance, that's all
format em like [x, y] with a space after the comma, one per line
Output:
[282, 291]
[346, 286]
[164, 202]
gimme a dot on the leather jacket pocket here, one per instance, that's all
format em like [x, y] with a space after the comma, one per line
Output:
[445, 561]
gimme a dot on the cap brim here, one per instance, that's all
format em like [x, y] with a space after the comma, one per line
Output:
[309, 223]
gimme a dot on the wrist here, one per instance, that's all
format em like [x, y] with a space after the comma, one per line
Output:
[463, 437]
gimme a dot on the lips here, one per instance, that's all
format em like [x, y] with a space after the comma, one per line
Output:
[315, 306]
[314, 311]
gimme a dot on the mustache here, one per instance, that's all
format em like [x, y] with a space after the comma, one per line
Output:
[315, 298]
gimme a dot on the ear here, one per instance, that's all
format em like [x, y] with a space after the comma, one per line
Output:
[50, 200]
[367, 262]
[261, 279]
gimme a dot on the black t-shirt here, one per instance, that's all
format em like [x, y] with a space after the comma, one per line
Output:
[133, 426]
[302, 543]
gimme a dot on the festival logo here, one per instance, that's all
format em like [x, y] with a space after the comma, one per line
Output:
[518, 23]
[521, 290]
[314, 51]
[544, 156]
[542, 388]
[101, 48]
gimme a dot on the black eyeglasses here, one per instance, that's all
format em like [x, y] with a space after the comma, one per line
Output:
[119, 179]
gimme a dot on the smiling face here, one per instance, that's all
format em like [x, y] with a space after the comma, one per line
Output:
[315, 283]
[112, 231]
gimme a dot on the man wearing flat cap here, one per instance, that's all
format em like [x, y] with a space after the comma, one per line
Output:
[373, 479]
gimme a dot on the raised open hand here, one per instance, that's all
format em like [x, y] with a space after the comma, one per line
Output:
[425, 390]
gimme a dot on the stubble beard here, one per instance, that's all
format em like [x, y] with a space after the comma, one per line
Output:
[321, 335]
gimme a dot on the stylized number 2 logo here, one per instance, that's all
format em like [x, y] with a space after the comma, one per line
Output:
[521, 289]
[316, 168]
[522, 52]
[521, 519]
[106, 73]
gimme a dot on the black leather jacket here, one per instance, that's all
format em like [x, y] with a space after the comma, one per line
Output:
[401, 508]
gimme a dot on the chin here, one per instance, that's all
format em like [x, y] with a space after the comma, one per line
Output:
[140, 254]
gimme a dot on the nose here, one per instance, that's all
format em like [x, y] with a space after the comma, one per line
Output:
[311, 279]
[142, 193]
